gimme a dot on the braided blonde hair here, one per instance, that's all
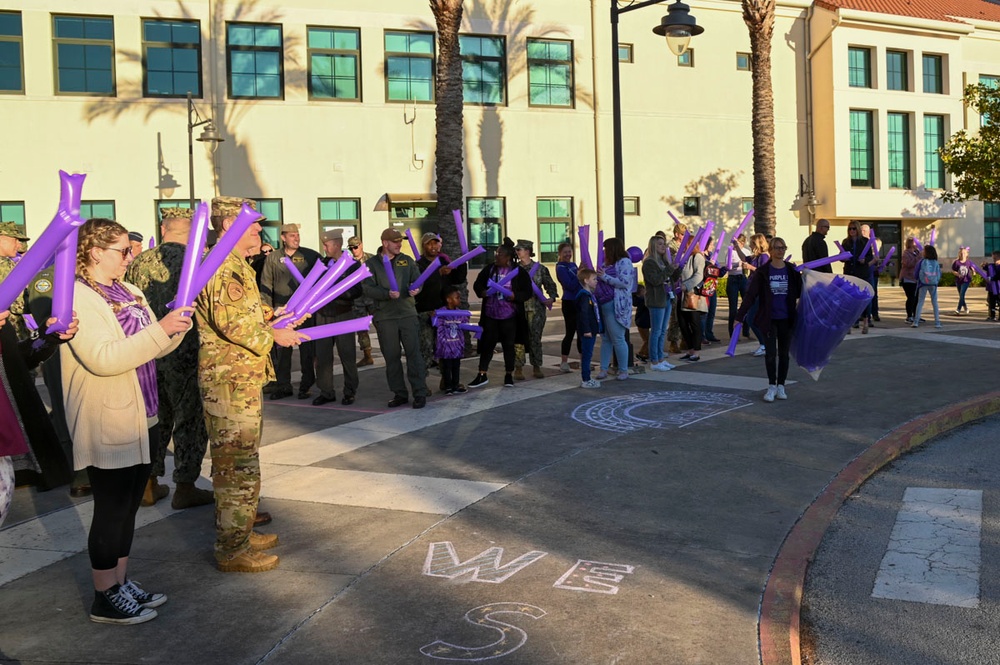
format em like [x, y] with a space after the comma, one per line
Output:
[98, 232]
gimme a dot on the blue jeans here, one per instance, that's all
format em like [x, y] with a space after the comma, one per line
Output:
[613, 338]
[922, 293]
[709, 321]
[586, 355]
[657, 332]
[962, 288]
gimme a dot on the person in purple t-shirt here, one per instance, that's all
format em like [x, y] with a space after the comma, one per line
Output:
[450, 343]
[962, 267]
[776, 285]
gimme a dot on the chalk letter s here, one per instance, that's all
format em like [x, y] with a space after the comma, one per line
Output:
[511, 638]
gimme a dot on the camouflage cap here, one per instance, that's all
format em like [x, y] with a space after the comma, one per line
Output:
[354, 240]
[10, 230]
[229, 206]
[176, 213]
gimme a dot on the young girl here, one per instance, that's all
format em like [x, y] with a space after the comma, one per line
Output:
[450, 345]
[775, 287]
[588, 324]
[928, 275]
[566, 271]
[962, 267]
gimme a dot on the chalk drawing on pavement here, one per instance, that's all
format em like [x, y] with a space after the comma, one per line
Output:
[594, 576]
[442, 561]
[656, 410]
[510, 638]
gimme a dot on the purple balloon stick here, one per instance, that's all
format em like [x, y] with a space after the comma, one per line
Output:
[729, 259]
[600, 249]
[476, 331]
[888, 255]
[425, 275]
[916, 241]
[413, 244]
[390, 272]
[585, 260]
[334, 292]
[498, 289]
[468, 256]
[292, 269]
[319, 288]
[743, 225]
[339, 328]
[62, 283]
[463, 241]
[737, 328]
[152, 243]
[223, 248]
[192, 256]
[933, 239]
[673, 217]
[305, 285]
[809, 265]
[66, 219]
[719, 245]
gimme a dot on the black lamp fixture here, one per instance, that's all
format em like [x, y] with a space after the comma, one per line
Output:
[209, 136]
[807, 197]
[678, 26]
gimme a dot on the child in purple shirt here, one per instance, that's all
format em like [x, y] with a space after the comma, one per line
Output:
[450, 346]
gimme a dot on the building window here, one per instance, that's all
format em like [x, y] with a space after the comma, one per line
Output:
[897, 70]
[171, 56]
[334, 63]
[933, 141]
[85, 48]
[418, 216]
[13, 211]
[991, 227]
[743, 62]
[555, 226]
[343, 214]
[487, 222]
[631, 205]
[686, 59]
[859, 67]
[899, 150]
[862, 149]
[550, 73]
[483, 66]
[625, 53]
[254, 53]
[409, 66]
[271, 227]
[992, 82]
[97, 209]
[933, 74]
[746, 205]
[11, 53]
[692, 206]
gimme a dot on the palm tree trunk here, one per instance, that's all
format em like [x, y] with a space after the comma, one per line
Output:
[448, 120]
[759, 17]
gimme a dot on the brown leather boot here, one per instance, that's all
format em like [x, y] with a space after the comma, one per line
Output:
[154, 492]
[186, 495]
[249, 562]
[367, 360]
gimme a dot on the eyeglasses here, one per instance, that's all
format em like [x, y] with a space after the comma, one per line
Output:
[352, 247]
[267, 251]
[124, 251]
[779, 248]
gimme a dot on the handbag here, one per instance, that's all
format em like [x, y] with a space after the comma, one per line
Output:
[692, 300]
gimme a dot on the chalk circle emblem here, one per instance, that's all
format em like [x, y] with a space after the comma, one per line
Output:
[655, 410]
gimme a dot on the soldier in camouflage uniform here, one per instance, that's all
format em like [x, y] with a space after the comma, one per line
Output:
[234, 363]
[10, 238]
[535, 310]
[364, 305]
[158, 272]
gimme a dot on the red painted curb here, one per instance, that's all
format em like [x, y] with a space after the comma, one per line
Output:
[778, 627]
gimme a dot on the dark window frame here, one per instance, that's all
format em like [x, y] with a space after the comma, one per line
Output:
[552, 256]
[553, 62]
[501, 221]
[244, 48]
[479, 59]
[936, 76]
[356, 54]
[83, 41]
[686, 59]
[635, 210]
[868, 181]
[691, 206]
[897, 76]
[861, 68]
[991, 227]
[325, 224]
[630, 53]
[749, 60]
[19, 40]
[22, 227]
[102, 202]
[185, 46]
[432, 57]
[903, 174]
[933, 141]
[273, 222]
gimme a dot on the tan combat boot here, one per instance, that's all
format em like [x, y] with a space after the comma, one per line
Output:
[519, 373]
[262, 541]
[154, 492]
[367, 360]
[537, 372]
[249, 562]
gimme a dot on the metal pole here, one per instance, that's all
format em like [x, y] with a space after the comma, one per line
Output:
[190, 150]
[616, 113]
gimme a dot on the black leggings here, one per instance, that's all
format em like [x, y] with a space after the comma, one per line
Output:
[450, 370]
[497, 330]
[690, 324]
[117, 493]
[910, 289]
[569, 318]
[777, 343]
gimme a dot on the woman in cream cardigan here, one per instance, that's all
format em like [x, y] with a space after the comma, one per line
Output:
[109, 386]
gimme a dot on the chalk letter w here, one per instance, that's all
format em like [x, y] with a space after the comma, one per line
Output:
[442, 561]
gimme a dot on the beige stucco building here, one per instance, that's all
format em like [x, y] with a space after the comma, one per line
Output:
[326, 108]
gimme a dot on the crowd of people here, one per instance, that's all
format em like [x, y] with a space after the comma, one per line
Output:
[132, 374]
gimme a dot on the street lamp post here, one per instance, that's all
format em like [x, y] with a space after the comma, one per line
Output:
[208, 135]
[678, 26]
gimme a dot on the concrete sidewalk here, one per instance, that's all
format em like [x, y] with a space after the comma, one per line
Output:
[542, 524]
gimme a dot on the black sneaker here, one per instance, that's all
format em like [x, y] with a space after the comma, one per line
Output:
[116, 606]
[480, 380]
[460, 389]
[448, 392]
[508, 380]
[144, 598]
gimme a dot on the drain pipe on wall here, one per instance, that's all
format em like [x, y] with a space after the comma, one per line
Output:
[810, 52]
[597, 115]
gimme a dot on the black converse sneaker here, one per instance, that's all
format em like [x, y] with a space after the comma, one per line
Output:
[117, 606]
[144, 598]
[480, 380]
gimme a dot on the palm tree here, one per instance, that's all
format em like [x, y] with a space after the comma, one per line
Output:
[448, 119]
[759, 17]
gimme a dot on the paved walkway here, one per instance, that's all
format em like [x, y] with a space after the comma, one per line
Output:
[539, 524]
